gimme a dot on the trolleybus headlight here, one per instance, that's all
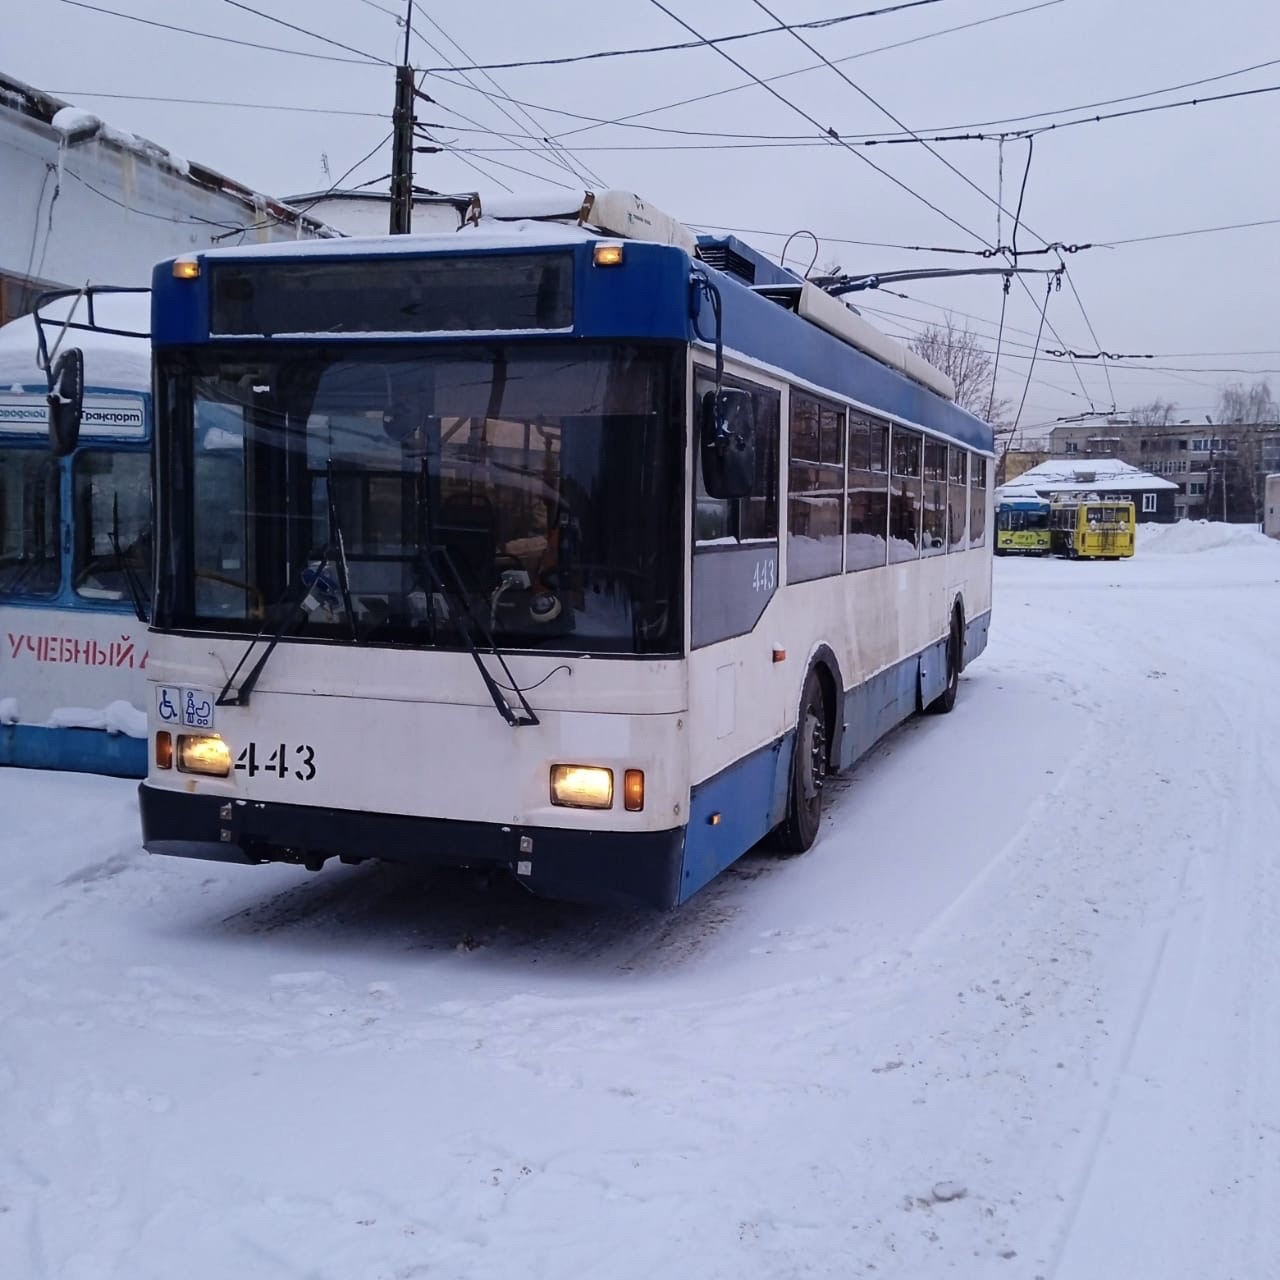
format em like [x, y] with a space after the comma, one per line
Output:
[581, 786]
[200, 753]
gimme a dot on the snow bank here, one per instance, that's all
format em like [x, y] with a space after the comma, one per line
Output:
[1187, 537]
[115, 717]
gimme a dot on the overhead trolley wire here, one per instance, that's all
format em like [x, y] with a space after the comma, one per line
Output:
[817, 125]
[815, 24]
[363, 61]
[784, 75]
[564, 157]
[315, 35]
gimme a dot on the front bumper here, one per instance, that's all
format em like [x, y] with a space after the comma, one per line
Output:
[628, 869]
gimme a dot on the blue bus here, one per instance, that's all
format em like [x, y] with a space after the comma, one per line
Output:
[585, 551]
[75, 539]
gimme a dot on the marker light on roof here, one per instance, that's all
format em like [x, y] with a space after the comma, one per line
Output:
[186, 269]
[607, 255]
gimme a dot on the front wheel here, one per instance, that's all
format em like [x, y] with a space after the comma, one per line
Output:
[799, 829]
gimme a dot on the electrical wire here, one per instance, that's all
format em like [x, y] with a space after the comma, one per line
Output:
[1194, 231]
[687, 44]
[337, 183]
[220, 102]
[208, 35]
[315, 35]
[1031, 368]
[817, 125]
[784, 75]
[563, 157]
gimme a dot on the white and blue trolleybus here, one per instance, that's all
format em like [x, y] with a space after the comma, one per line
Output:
[75, 538]
[581, 550]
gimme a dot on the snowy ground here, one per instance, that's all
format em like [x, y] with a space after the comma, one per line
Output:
[1016, 1015]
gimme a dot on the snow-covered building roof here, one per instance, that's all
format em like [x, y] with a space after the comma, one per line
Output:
[85, 201]
[1093, 475]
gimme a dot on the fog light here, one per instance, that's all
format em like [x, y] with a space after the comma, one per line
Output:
[633, 790]
[199, 753]
[581, 786]
[164, 750]
[607, 255]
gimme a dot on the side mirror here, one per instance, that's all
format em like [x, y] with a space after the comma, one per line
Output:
[728, 443]
[66, 401]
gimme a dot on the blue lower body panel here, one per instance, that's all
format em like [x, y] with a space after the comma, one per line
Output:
[732, 811]
[32, 746]
[975, 636]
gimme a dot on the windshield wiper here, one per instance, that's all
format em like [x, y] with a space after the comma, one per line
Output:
[451, 586]
[124, 566]
[319, 590]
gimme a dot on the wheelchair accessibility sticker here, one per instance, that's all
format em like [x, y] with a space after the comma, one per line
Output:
[191, 708]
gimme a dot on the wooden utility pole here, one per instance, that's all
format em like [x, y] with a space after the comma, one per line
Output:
[402, 140]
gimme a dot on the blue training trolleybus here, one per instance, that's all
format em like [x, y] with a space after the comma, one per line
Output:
[75, 539]
[583, 550]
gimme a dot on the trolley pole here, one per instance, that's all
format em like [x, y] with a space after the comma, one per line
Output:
[402, 141]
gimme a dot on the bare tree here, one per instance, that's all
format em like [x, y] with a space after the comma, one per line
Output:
[959, 353]
[1246, 405]
[1246, 411]
[1157, 413]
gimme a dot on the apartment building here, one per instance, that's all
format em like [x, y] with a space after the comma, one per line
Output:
[1220, 469]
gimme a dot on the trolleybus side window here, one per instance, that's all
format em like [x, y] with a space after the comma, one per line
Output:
[113, 524]
[865, 545]
[935, 497]
[977, 501]
[721, 521]
[957, 497]
[30, 562]
[815, 493]
[904, 496]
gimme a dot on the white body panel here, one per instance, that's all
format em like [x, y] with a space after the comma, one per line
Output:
[870, 619]
[411, 732]
[55, 662]
[1271, 508]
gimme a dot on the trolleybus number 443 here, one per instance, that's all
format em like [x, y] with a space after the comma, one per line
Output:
[278, 761]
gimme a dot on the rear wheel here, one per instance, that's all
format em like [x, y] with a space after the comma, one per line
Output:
[798, 830]
[955, 657]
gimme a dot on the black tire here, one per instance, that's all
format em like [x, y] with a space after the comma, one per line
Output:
[946, 700]
[809, 762]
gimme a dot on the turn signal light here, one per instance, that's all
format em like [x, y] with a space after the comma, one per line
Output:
[201, 753]
[164, 750]
[607, 255]
[633, 790]
[581, 786]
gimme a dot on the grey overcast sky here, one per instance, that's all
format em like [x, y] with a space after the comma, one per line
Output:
[1198, 302]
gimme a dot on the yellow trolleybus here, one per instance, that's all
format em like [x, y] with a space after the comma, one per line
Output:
[1092, 529]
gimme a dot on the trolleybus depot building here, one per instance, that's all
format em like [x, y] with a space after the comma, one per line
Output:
[1058, 478]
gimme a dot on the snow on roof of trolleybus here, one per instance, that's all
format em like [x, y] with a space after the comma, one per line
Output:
[111, 361]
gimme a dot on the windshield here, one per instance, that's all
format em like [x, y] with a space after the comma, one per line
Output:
[29, 519]
[535, 491]
[1019, 521]
[113, 525]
